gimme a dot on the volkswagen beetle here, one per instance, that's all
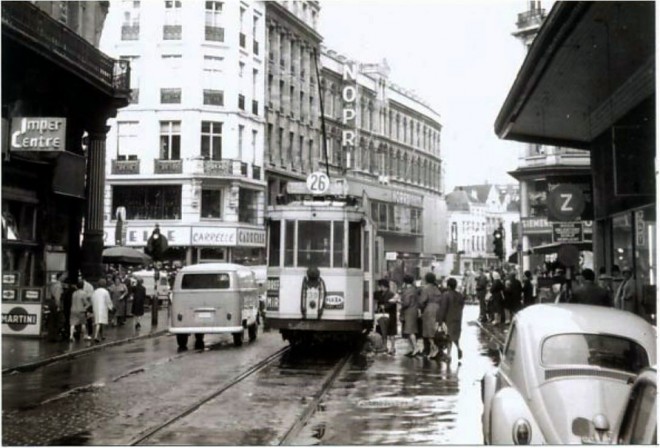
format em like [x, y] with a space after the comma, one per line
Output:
[638, 424]
[564, 375]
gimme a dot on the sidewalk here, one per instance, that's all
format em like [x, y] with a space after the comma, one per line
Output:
[26, 353]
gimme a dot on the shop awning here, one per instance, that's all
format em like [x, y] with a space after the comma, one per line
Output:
[554, 247]
[590, 64]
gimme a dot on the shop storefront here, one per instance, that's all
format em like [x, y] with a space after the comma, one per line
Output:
[616, 122]
[200, 243]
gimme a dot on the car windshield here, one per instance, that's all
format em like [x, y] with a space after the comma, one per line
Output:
[608, 351]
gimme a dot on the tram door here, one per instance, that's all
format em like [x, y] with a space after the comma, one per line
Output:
[369, 264]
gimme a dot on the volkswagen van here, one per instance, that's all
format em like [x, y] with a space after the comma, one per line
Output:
[214, 298]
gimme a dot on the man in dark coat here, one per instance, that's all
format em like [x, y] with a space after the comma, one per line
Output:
[139, 297]
[528, 289]
[589, 293]
[453, 318]
[481, 288]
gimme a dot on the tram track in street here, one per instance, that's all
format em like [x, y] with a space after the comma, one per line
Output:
[299, 409]
[199, 403]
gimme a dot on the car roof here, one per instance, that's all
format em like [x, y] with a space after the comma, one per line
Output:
[211, 267]
[543, 320]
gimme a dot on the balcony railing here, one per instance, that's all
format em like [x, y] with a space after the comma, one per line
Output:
[36, 29]
[125, 167]
[130, 32]
[171, 32]
[214, 33]
[162, 166]
[226, 167]
[531, 17]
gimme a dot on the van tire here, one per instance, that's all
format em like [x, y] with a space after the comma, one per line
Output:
[182, 341]
[238, 339]
[252, 332]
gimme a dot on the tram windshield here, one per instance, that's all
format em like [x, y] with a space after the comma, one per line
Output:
[316, 243]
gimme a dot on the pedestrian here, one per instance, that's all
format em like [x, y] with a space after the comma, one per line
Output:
[387, 303]
[118, 293]
[527, 289]
[431, 303]
[453, 318]
[409, 313]
[589, 293]
[102, 305]
[89, 290]
[497, 299]
[481, 286]
[512, 297]
[625, 293]
[79, 304]
[139, 297]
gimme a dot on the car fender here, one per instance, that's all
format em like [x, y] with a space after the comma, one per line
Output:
[488, 389]
[506, 407]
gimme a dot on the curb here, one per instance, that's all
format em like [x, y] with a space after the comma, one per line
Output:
[96, 347]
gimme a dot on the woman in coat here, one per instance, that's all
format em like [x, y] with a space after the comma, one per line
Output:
[431, 301]
[387, 303]
[118, 294]
[454, 316]
[497, 298]
[139, 297]
[409, 313]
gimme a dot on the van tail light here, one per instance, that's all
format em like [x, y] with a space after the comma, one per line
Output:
[522, 432]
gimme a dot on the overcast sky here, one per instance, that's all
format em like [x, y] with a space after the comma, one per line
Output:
[459, 56]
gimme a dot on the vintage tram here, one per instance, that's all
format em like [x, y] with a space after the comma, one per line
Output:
[320, 274]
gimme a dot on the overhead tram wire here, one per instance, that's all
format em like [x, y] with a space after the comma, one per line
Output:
[325, 142]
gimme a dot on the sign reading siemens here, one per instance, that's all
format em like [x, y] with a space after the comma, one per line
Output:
[38, 134]
[254, 238]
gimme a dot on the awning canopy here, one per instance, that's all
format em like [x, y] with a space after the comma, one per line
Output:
[553, 248]
[590, 64]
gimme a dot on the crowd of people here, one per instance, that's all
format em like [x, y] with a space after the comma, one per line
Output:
[432, 312]
[78, 310]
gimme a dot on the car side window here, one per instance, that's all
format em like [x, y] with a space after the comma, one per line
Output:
[639, 425]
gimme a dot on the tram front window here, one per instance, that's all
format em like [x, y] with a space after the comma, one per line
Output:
[274, 244]
[314, 243]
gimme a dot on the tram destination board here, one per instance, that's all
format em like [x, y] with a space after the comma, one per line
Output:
[567, 232]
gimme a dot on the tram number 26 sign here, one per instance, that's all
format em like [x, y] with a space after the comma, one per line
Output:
[565, 203]
[318, 183]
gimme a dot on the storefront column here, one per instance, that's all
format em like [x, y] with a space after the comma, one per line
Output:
[92, 248]
[524, 213]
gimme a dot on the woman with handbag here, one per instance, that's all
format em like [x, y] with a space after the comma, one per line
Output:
[387, 304]
[433, 306]
[409, 313]
[454, 316]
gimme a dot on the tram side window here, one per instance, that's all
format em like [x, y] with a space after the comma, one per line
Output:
[338, 244]
[314, 243]
[289, 247]
[274, 244]
[354, 244]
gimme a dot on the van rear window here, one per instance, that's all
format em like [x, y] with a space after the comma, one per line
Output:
[205, 281]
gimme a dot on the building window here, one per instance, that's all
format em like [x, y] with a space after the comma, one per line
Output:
[211, 204]
[248, 201]
[241, 69]
[214, 97]
[172, 26]
[148, 202]
[135, 77]
[241, 101]
[170, 140]
[213, 30]
[211, 144]
[127, 139]
[170, 96]
[241, 130]
[130, 28]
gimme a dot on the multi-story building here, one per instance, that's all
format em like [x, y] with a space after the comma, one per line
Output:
[386, 141]
[543, 167]
[187, 153]
[474, 212]
[292, 133]
[58, 90]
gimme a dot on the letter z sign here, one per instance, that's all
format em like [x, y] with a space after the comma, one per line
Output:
[565, 203]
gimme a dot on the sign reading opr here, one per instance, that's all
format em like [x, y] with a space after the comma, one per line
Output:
[38, 134]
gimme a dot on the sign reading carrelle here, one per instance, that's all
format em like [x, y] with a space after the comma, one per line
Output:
[38, 134]
[137, 236]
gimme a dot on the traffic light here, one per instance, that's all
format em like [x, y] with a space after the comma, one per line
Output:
[498, 243]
